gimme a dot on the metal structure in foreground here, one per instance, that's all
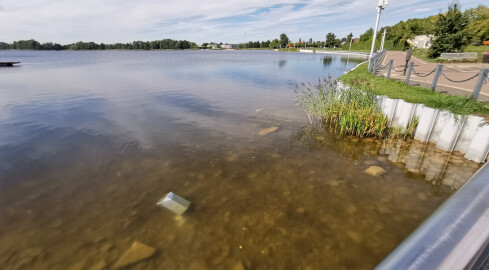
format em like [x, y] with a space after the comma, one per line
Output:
[456, 236]
[382, 4]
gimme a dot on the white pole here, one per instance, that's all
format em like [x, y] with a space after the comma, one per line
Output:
[383, 40]
[379, 9]
[351, 39]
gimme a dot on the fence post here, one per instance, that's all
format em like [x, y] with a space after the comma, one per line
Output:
[375, 67]
[480, 81]
[438, 70]
[389, 69]
[410, 68]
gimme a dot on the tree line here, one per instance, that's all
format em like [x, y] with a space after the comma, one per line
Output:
[135, 45]
[451, 31]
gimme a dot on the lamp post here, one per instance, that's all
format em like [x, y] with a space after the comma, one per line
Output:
[383, 39]
[382, 4]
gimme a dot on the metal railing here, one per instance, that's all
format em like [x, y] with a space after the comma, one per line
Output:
[454, 237]
[483, 75]
[375, 60]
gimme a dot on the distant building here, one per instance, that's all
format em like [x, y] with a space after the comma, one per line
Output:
[356, 40]
[229, 46]
[423, 41]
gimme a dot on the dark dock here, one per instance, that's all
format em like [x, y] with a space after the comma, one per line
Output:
[8, 64]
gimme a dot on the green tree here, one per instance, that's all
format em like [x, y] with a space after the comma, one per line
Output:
[365, 37]
[274, 43]
[477, 29]
[330, 40]
[284, 40]
[349, 37]
[449, 32]
[4, 46]
[337, 42]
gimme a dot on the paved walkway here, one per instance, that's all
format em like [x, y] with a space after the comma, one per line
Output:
[457, 71]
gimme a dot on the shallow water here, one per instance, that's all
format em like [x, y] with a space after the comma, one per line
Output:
[90, 141]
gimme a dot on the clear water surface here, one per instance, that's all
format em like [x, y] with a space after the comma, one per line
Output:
[90, 141]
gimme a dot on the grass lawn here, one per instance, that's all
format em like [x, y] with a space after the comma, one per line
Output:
[360, 78]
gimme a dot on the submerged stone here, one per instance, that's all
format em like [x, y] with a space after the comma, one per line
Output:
[422, 196]
[137, 252]
[266, 131]
[375, 171]
[239, 266]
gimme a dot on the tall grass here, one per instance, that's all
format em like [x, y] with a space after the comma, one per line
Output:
[349, 111]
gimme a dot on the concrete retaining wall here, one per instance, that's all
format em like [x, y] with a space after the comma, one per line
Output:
[450, 132]
[467, 134]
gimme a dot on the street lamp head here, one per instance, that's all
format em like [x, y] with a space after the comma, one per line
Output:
[382, 4]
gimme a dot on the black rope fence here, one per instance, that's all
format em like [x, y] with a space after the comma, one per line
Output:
[460, 81]
[382, 67]
[425, 75]
[396, 70]
[483, 76]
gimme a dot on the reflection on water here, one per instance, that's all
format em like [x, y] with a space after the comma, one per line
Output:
[339, 62]
[90, 141]
[327, 60]
[437, 166]
[425, 160]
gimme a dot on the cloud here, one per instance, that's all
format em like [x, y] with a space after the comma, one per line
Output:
[66, 21]
[421, 10]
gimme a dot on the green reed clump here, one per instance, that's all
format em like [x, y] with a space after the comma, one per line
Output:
[351, 111]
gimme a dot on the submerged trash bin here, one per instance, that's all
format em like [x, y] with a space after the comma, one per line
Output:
[174, 203]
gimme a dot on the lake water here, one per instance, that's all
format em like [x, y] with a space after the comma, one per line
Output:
[90, 141]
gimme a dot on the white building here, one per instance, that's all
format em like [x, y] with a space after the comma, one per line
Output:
[228, 46]
[423, 41]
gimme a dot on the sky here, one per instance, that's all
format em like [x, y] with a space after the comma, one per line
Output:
[227, 21]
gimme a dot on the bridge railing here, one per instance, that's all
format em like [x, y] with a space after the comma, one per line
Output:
[456, 236]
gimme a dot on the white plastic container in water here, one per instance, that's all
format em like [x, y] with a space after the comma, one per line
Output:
[450, 133]
[426, 121]
[174, 203]
[479, 146]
